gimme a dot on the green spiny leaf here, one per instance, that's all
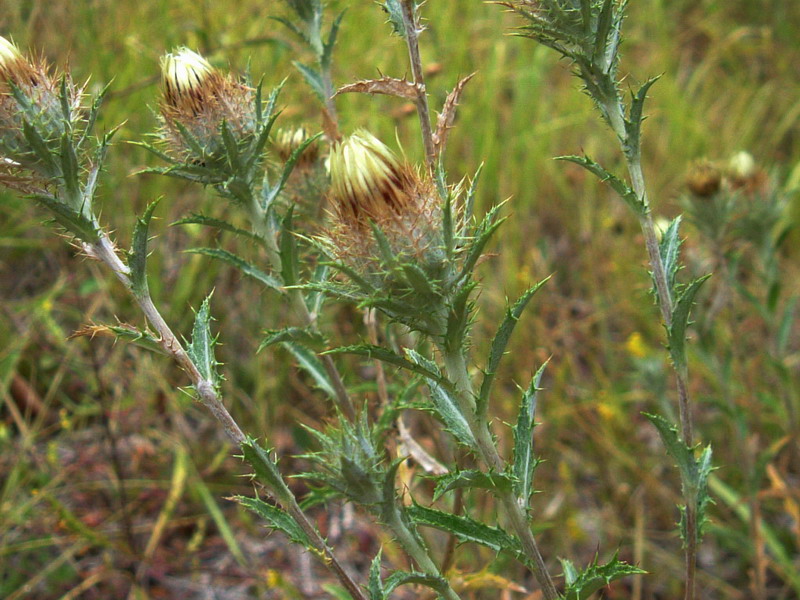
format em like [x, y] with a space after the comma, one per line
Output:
[395, 13]
[40, 149]
[290, 266]
[197, 219]
[241, 264]
[582, 584]
[500, 342]
[467, 529]
[277, 520]
[266, 470]
[619, 186]
[137, 256]
[70, 175]
[375, 585]
[385, 355]
[445, 403]
[525, 462]
[458, 317]
[71, 220]
[497, 482]
[313, 78]
[232, 153]
[201, 348]
[312, 365]
[670, 247]
[633, 125]
[676, 334]
[399, 578]
[292, 334]
[327, 52]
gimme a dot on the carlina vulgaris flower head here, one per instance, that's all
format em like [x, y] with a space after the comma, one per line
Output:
[371, 186]
[704, 179]
[287, 141]
[30, 96]
[197, 100]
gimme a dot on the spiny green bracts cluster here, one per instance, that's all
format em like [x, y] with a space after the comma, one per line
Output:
[198, 103]
[404, 240]
[36, 110]
[350, 462]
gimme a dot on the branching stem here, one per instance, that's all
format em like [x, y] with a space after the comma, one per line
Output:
[103, 250]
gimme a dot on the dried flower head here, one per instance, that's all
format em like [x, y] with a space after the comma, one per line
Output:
[198, 102]
[704, 179]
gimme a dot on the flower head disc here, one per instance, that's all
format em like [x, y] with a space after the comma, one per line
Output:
[185, 75]
[368, 182]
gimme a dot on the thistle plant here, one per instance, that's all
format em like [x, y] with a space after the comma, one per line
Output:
[588, 34]
[399, 239]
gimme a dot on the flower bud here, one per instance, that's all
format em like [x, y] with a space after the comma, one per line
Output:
[742, 165]
[198, 100]
[30, 96]
[288, 140]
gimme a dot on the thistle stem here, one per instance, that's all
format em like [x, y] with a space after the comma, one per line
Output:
[414, 547]
[103, 250]
[456, 368]
[258, 222]
[615, 114]
[423, 111]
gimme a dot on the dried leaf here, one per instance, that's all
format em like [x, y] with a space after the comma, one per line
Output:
[385, 85]
[448, 115]
[417, 452]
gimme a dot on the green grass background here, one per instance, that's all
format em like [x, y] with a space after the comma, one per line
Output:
[72, 511]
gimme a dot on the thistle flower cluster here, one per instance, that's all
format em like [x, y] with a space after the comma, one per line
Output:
[202, 106]
[36, 110]
[740, 173]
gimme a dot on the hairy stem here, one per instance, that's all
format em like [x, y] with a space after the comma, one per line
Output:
[103, 250]
[424, 113]
[487, 450]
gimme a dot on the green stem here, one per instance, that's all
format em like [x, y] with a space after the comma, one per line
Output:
[260, 226]
[456, 368]
[411, 543]
[614, 110]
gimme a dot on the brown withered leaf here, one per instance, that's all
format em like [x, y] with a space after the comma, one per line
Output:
[390, 86]
[448, 115]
